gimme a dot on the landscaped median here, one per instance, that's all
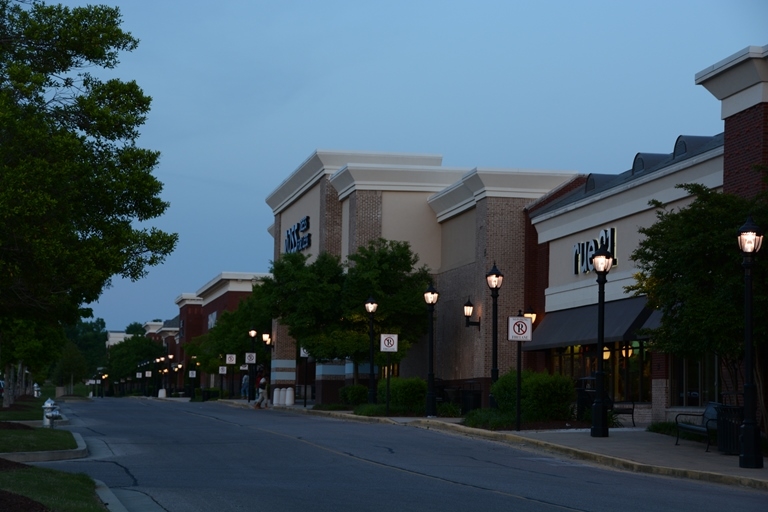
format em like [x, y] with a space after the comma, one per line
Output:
[34, 489]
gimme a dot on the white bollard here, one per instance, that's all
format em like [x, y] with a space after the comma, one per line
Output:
[289, 394]
[276, 396]
[282, 396]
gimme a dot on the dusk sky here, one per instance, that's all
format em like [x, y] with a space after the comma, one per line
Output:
[244, 91]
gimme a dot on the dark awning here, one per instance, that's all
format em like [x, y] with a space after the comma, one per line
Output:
[578, 326]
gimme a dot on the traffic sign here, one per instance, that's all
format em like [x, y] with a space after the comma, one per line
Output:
[388, 343]
[148, 373]
[231, 359]
[222, 370]
[192, 374]
[138, 375]
[250, 358]
[519, 328]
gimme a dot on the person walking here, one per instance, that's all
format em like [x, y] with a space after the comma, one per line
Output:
[262, 385]
[244, 387]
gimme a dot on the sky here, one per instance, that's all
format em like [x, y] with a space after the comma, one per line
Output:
[245, 91]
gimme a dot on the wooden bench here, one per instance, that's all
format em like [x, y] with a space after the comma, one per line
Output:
[707, 423]
[621, 408]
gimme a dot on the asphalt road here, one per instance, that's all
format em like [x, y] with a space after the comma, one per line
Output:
[195, 457]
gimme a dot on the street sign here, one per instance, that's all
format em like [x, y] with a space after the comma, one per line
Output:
[148, 373]
[231, 358]
[519, 328]
[222, 370]
[250, 358]
[243, 366]
[303, 352]
[138, 375]
[388, 343]
[192, 374]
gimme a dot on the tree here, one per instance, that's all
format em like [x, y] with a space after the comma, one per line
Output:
[75, 189]
[90, 338]
[323, 306]
[71, 367]
[689, 266]
[135, 328]
[125, 357]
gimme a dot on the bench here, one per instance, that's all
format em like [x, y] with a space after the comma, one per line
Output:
[707, 423]
[622, 408]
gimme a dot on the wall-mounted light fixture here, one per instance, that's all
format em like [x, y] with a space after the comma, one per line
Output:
[468, 308]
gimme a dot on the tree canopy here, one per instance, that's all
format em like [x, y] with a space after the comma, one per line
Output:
[75, 189]
[323, 305]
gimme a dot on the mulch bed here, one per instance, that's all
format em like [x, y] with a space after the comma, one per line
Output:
[10, 502]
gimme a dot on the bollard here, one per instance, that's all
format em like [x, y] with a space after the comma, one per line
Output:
[289, 394]
[282, 396]
[276, 396]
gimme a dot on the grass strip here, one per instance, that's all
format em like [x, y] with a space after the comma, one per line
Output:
[35, 440]
[59, 491]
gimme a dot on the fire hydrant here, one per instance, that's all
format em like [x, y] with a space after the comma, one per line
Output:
[50, 413]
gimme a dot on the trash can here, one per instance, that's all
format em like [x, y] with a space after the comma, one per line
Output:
[729, 420]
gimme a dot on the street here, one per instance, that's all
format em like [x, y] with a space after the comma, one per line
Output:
[190, 457]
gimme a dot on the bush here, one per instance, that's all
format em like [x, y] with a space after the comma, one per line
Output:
[494, 419]
[354, 395]
[409, 394]
[448, 410]
[543, 396]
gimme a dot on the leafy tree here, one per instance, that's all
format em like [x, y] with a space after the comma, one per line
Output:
[323, 306]
[125, 357]
[135, 328]
[71, 367]
[690, 268]
[75, 189]
[90, 339]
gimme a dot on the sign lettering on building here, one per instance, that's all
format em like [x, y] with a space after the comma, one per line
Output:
[583, 251]
[296, 237]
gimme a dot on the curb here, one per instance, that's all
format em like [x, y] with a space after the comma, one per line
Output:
[108, 498]
[45, 456]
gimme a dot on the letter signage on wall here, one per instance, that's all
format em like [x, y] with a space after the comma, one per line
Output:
[296, 237]
[583, 251]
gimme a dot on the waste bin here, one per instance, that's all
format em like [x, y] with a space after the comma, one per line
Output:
[729, 420]
[585, 395]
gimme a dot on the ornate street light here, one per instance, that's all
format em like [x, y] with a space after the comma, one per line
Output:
[430, 297]
[602, 261]
[750, 455]
[494, 278]
[370, 307]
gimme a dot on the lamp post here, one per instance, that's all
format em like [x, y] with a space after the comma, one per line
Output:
[430, 297]
[494, 278]
[602, 261]
[252, 368]
[370, 307]
[750, 455]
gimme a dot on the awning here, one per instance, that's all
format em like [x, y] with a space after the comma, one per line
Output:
[578, 326]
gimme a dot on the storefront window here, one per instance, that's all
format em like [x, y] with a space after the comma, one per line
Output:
[693, 381]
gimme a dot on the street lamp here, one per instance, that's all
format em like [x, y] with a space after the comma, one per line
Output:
[370, 307]
[494, 278]
[750, 455]
[430, 297]
[602, 261]
[252, 368]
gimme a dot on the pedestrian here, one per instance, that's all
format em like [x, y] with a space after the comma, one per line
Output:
[262, 383]
[244, 387]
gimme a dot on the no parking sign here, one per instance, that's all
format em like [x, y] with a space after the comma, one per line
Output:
[519, 328]
[388, 343]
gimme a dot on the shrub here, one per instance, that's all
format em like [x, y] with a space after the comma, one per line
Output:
[543, 396]
[353, 395]
[409, 394]
[448, 410]
[494, 419]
